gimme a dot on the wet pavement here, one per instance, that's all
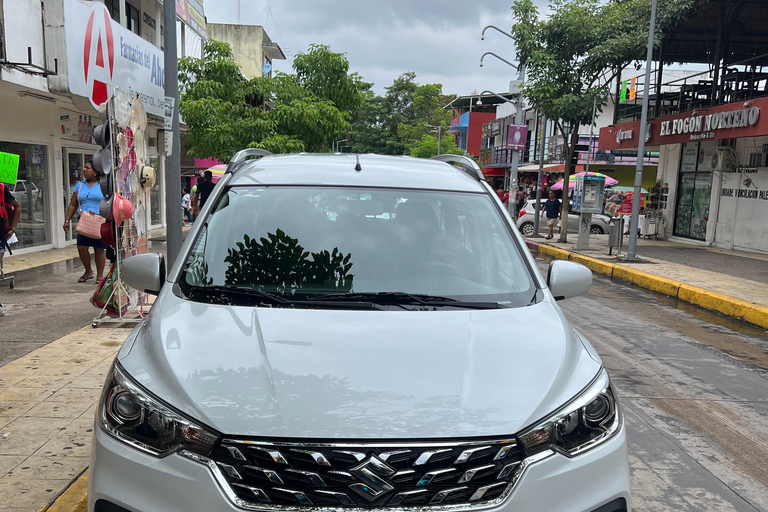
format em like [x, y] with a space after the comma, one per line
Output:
[46, 303]
[694, 387]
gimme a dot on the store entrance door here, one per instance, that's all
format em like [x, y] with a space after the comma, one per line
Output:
[694, 191]
[74, 160]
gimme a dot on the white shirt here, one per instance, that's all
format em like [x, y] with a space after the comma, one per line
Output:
[185, 202]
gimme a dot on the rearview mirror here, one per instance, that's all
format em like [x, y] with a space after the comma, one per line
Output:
[567, 279]
[144, 272]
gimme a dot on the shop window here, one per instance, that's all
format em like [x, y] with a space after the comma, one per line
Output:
[31, 190]
[113, 6]
[132, 18]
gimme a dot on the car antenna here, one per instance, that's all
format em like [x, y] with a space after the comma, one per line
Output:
[358, 167]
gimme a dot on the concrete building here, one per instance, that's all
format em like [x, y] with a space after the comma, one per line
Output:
[58, 61]
[254, 51]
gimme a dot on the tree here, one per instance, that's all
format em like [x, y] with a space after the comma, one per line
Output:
[225, 113]
[572, 56]
[427, 146]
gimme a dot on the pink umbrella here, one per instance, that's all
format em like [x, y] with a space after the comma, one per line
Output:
[572, 180]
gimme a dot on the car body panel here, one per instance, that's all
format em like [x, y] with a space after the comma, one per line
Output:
[601, 221]
[300, 373]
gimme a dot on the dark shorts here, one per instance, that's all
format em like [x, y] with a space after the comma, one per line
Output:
[84, 241]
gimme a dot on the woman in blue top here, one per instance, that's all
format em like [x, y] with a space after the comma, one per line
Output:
[86, 198]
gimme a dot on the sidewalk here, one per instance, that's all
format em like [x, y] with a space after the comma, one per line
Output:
[733, 283]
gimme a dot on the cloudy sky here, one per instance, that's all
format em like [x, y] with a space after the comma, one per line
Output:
[437, 39]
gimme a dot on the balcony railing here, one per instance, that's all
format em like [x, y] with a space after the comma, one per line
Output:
[737, 82]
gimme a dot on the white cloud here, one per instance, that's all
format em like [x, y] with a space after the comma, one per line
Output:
[437, 39]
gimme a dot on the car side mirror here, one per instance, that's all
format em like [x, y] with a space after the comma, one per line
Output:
[144, 272]
[567, 279]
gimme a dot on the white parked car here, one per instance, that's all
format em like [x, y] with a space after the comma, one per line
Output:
[342, 334]
[24, 192]
[599, 225]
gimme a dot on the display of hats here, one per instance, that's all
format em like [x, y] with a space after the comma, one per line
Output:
[106, 111]
[129, 137]
[138, 115]
[147, 176]
[140, 217]
[133, 182]
[122, 146]
[102, 161]
[105, 208]
[122, 107]
[129, 162]
[105, 183]
[122, 209]
[140, 145]
[141, 245]
[108, 233]
[101, 134]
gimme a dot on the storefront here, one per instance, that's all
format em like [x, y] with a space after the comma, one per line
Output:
[714, 164]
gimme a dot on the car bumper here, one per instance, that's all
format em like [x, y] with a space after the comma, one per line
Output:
[120, 475]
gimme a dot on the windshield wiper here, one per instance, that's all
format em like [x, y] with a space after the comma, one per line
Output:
[252, 296]
[402, 298]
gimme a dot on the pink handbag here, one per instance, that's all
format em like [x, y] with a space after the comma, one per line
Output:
[90, 225]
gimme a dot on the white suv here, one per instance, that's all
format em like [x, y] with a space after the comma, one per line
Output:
[356, 333]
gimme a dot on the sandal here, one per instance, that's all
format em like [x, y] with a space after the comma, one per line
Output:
[85, 278]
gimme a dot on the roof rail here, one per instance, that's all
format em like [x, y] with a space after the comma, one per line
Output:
[468, 165]
[242, 155]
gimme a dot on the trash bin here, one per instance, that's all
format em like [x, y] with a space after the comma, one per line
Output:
[615, 230]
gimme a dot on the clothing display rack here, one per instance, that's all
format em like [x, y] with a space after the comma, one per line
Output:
[127, 121]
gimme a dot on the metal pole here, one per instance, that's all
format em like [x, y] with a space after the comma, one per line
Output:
[511, 203]
[541, 177]
[172, 162]
[591, 133]
[633, 225]
[439, 136]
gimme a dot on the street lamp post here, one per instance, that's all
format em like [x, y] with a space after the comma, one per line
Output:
[335, 145]
[632, 247]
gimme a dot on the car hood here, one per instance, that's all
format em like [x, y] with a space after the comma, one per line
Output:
[298, 373]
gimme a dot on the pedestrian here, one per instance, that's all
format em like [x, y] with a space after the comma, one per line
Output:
[10, 214]
[204, 188]
[86, 198]
[519, 200]
[552, 210]
[186, 205]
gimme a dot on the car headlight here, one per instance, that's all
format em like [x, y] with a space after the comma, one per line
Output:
[585, 422]
[133, 416]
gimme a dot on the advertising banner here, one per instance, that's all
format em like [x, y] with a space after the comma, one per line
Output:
[9, 168]
[191, 12]
[102, 54]
[517, 137]
[619, 203]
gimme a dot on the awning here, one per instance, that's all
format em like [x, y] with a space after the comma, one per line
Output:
[535, 167]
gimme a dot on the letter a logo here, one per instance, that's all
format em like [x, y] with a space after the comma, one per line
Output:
[98, 54]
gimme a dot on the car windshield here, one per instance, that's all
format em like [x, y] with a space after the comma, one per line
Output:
[309, 243]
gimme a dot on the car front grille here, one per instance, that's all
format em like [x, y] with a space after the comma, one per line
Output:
[292, 475]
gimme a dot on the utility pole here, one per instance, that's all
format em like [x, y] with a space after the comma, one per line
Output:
[511, 202]
[172, 160]
[537, 209]
[633, 224]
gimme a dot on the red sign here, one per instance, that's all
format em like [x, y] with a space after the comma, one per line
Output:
[729, 121]
[97, 64]
[617, 202]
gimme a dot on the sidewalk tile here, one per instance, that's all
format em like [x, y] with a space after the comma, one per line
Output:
[26, 435]
[76, 445]
[10, 379]
[69, 410]
[81, 427]
[8, 462]
[29, 495]
[10, 410]
[72, 394]
[26, 394]
[92, 379]
[50, 467]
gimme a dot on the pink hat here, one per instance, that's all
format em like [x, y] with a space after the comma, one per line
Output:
[122, 209]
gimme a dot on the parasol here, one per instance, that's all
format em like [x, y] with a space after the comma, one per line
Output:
[572, 180]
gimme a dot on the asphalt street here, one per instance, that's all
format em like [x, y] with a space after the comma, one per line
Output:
[694, 387]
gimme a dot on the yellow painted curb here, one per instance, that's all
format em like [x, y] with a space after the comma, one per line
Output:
[668, 287]
[727, 305]
[74, 499]
[601, 267]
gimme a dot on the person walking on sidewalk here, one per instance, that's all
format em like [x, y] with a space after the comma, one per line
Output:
[204, 189]
[552, 209]
[86, 198]
[8, 222]
[186, 205]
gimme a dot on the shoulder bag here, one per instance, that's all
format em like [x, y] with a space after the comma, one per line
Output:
[90, 223]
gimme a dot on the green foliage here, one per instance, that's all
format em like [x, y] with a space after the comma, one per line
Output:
[280, 264]
[326, 75]
[396, 123]
[225, 113]
[427, 146]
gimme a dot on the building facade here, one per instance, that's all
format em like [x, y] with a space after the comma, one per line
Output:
[254, 51]
[58, 61]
